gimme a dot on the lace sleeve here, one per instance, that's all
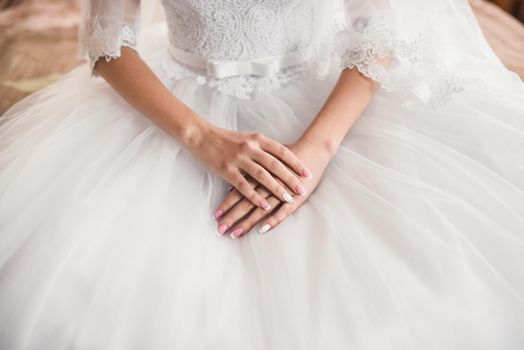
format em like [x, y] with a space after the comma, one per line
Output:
[424, 50]
[107, 26]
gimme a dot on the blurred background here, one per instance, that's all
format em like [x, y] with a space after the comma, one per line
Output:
[38, 41]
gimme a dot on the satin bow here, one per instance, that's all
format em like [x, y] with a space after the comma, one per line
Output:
[226, 69]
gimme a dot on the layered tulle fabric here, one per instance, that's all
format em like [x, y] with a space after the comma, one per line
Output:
[413, 240]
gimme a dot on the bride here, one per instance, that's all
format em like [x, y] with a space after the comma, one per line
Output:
[378, 146]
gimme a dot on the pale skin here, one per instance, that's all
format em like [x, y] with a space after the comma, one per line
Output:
[270, 180]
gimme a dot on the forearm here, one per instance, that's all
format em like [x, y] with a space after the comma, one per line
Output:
[347, 101]
[130, 76]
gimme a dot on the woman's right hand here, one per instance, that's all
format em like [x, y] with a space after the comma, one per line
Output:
[234, 155]
[229, 154]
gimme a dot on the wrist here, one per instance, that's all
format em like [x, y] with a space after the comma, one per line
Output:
[326, 147]
[192, 131]
[193, 135]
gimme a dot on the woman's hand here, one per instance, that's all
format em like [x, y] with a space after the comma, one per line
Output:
[233, 155]
[238, 215]
[229, 154]
[316, 147]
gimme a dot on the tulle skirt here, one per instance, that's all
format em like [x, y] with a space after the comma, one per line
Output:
[413, 240]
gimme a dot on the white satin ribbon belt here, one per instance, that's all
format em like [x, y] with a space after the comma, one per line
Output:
[263, 67]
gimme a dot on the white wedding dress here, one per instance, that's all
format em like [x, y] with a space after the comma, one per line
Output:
[413, 240]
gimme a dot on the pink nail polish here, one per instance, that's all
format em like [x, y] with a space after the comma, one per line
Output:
[306, 172]
[265, 205]
[221, 229]
[236, 232]
[217, 214]
[301, 190]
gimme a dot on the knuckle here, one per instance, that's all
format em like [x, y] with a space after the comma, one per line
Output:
[260, 174]
[259, 153]
[292, 181]
[248, 146]
[254, 197]
[290, 209]
[240, 184]
[274, 221]
[238, 156]
[246, 205]
[250, 222]
[248, 226]
[283, 213]
[257, 136]
[274, 164]
[225, 167]
[232, 178]
[278, 190]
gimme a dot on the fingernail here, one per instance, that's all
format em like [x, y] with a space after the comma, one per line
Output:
[265, 205]
[237, 232]
[287, 197]
[264, 228]
[217, 214]
[221, 229]
[301, 190]
[306, 172]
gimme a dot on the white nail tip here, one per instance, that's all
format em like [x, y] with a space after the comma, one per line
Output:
[287, 197]
[233, 236]
[265, 228]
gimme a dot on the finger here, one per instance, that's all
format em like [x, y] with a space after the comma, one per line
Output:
[284, 154]
[279, 170]
[239, 210]
[243, 207]
[233, 197]
[247, 190]
[263, 177]
[246, 224]
[277, 217]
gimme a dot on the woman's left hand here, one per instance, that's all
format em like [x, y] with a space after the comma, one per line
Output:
[238, 216]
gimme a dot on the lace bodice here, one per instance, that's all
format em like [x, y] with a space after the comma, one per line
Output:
[239, 29]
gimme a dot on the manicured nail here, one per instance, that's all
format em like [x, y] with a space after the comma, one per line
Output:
[265, 205]
[307, 173]
[287, 197]
[264, 228]
[237, 232]
[221, 229]
[217, 214]
[301, 190]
